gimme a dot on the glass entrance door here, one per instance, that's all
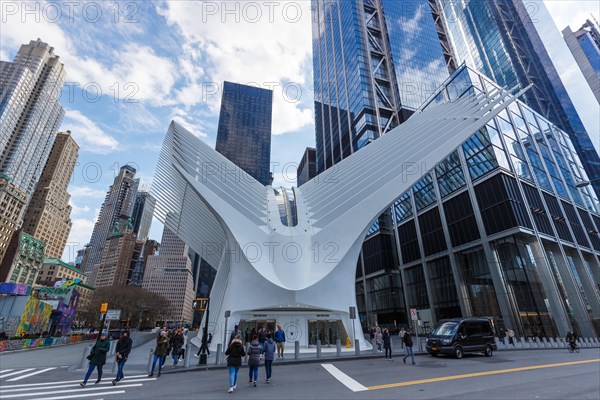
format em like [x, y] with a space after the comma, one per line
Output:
[327, 331]
[252, 327]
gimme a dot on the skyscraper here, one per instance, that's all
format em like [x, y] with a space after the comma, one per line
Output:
[374, 62]
[30, 112]
[585, 46]
[244, 132]
[307, 169]
[169, 274]
[500, 39]
[48, 217]
[116, 205]
[143, 211]
[115, 261]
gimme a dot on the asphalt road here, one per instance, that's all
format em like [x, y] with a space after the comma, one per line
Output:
[536, 374]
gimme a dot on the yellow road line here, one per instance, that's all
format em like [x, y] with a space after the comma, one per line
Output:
[475, 374]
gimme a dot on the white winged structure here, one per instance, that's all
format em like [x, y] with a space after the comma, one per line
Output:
[270, 263]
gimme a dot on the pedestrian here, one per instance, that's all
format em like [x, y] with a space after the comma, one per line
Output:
[236, 332]
[122, 349]
[401, 336]
[176, 343]
[204, 343]
[235, 352]
[511, 334]
[269, 354]
[254, 351]
[262, 335]
[97, 358]
[408, 344]
[160, 352]
[502, 335]
[280, 341]
[185, 342]
[387, 344]
[372, 333]
[379, 339]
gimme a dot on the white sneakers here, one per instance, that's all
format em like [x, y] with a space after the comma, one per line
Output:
[230, 390]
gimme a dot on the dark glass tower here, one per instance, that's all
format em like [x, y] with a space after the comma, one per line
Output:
[374, 63]
[500, 39]
[244, 133]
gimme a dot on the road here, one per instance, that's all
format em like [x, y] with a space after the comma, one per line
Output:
[536, 374]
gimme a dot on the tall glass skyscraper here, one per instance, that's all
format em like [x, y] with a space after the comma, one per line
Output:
[500, 39]
[244, 133]
[374, 62]
[585, 46]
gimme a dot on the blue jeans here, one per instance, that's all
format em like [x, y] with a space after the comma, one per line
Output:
[90, 370]
[160, 360]
[120, 365]
[253, 372]
[233, 375]
[175, 359]
[409, 352]
[268, 368]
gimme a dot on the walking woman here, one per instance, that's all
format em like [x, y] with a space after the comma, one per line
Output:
[160, 352]
[253, 351]
[97, 358]
[379, 339]
[235, 352]
[387, 344]
[123, 349]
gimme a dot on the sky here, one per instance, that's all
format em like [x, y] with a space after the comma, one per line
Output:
[134, 66]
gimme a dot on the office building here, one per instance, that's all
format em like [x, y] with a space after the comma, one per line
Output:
[12, 204]
[244, 132]
[169, 274]
[48, 217]
[115, 261]
[374, 63]
[499, 39]
[307, 169]
[54, 270]
[23, 260]
[585, 46]
[143, 211]
[115, 207]
[142, 250]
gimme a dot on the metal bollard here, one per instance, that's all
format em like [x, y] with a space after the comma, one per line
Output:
[84, 360]
[338, 345]
[374, 345]
[188, 354]
[149, 368]
[296, 350]
[219, 354]
[318, 348]
[114, 366]
[357, 347]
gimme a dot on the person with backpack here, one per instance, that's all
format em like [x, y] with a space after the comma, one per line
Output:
[269, 354]
[254, 353]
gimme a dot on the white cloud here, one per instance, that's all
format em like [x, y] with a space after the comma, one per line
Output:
[89, 136]
[86, 191]
[76, 210]
[81, 232]
[570, 12]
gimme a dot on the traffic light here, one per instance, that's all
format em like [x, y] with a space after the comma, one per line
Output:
[103, 308]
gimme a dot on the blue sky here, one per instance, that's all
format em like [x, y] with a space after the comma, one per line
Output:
[133, 66]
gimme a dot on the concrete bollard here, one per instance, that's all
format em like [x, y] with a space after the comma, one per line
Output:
[115, 364]
[318, 348]
[150, 356]
[113, 347]
[84, 360]
[219, 355]
[374, 345]
[296, 350]
[188, 355]
[338, 345]
[357, 347]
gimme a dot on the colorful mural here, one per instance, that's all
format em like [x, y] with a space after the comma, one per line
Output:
[18, 289]
[35, 317]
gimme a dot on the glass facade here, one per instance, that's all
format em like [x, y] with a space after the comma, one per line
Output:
[499, 39]
[244, 132]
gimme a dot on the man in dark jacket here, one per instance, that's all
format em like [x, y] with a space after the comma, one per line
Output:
[97, 358]
[236, 331]
[235, 352]
[176, 346]
[408, 344]
[123, 349]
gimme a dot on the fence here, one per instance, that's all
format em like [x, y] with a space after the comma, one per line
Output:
[19, 344]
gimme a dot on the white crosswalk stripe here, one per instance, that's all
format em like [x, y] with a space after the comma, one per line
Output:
[18, 378]
[70, 389]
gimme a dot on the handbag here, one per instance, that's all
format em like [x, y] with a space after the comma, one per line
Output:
[89, 357]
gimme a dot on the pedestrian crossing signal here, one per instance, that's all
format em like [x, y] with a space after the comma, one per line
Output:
[200, 304]
[103, 308]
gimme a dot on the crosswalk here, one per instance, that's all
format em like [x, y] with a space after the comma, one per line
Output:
[62, 389]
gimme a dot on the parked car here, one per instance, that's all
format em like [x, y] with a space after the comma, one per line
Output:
[458, 336]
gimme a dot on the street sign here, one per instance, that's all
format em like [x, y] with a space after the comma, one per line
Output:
[113, 315]
[200, 304]
[352, 312]
[413, 314]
